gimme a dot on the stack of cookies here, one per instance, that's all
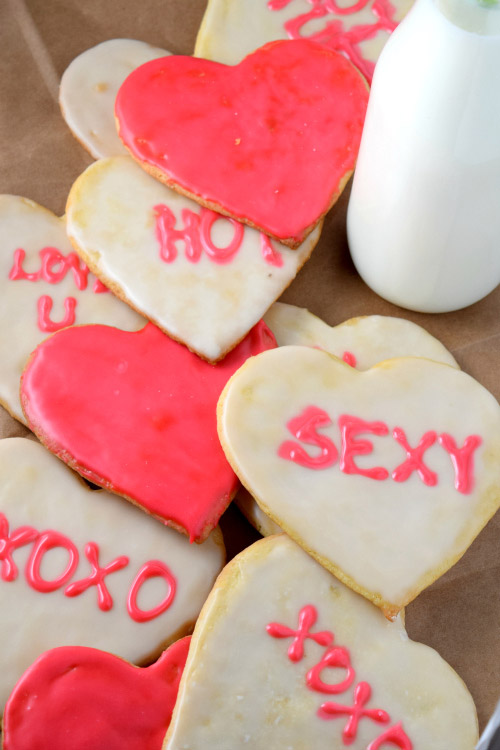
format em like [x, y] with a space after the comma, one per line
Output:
[144, 348]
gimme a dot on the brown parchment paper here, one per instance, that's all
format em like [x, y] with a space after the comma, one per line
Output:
[460, 614]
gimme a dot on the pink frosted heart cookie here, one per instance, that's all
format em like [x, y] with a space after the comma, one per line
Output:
[270, 142]
[385, 476]
[203, 279]
[285, 656]
[231, 30]
[83, 568]
[136, 414]
[361, 342]
[93, 699]
[44, 286]
[88, 91]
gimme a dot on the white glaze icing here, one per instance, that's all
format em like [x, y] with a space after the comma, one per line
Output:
[370, 339]
[28, 226]
[239, 688]
[88, 91]
[209, 306]
[387, 539]
[38, 491]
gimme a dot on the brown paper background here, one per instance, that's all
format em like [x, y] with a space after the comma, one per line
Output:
[460, 614]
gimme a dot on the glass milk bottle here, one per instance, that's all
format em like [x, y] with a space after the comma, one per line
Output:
[424, 214]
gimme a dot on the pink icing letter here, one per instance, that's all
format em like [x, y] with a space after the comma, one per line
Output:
[97, 576]
[17, 273]
[167, 235]
[10, 542]
[349, 358]
[362, 693]
[304, 428]
[333, 657]
[349, 427]
[462, 460]
[414, 458]
[99, 287]
[394, 736]
[219, 254]
[55, 266]
[151, 569]
[307, 618]
[46, 541]
[269, 253]
[47, 325]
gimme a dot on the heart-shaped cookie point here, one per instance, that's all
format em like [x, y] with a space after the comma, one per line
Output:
[384, 476]
[284, 655]
[271, 141]
[82, 697]
[202, 278]
[81, 567]
[136, 414]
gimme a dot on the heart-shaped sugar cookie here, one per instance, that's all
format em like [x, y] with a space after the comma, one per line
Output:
[203, 279]
[94, 698]
[44, 286]
[136, 414]
[270, 142]
[385, 476]
[88, 91]
[361, 342]
[285, 656]
[229, 31]
[82, 567]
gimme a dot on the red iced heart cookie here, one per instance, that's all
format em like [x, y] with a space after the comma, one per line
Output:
[84, 698]
[271, 141]
[136, 413]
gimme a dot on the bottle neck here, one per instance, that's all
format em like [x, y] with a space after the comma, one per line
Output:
[477, 16]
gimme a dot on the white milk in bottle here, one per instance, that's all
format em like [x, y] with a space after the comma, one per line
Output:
[424, 214]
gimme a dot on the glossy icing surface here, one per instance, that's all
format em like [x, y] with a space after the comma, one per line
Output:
[370, 339]
[147, 243]
[137, 415]
[251, 139]
[232, 29]
[47, 518]
[241, 688]
[388, 539]
[361, 342]
[39, 276]
[90, 698]
[88, 91]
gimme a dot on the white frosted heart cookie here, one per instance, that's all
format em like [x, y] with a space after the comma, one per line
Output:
[361, 342]
[44, 286]
[232, 29]
[254, 514]
[385, 476]
[82, 567]
[202, 278]
[88, 91]
[285, 656]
